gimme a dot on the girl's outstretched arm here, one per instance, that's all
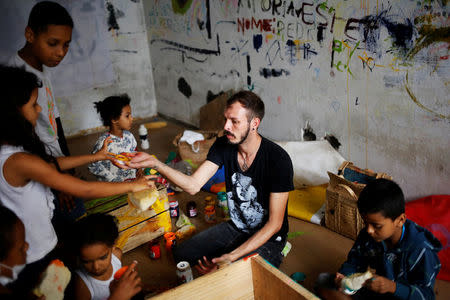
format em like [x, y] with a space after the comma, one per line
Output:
[70, 162]
[22, 167]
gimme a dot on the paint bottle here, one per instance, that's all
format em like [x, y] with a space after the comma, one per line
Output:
[184, 272]
[171, 240]
[173, 208]
[209, 201]
[210, 214]
[191, 208]
[223, 202]
[143, 136]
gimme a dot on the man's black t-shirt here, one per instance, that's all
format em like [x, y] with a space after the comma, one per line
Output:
[249, 192]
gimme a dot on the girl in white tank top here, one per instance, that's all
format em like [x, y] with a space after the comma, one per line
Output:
[28, 172]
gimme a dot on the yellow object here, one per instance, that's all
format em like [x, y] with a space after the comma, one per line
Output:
[154, 125]
[306, 203]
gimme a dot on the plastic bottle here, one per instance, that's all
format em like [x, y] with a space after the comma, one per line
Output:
[143, 136]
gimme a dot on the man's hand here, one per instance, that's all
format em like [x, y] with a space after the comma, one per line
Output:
[206, 266]
[144, 160]
[127, 286]
[338, 280]
[380, 284]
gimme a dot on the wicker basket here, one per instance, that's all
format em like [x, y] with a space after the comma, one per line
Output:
[341, 214]
[197, 158]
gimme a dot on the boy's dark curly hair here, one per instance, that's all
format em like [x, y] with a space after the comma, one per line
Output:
[111, 108]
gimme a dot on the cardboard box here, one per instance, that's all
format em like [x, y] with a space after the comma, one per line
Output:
[248, 278]
[341, 211]
[211, 114]
[135, 227]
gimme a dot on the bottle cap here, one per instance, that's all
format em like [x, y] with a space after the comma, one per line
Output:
[142, 130]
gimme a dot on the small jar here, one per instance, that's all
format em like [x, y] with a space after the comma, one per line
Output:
[210, 214]
[173, 208]
[191, 209]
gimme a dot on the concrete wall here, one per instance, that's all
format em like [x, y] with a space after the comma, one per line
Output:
[108, 55]
[128, 48]
[373, 73]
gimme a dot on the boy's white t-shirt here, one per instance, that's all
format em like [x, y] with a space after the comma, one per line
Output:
[46, 127]
[33, 204]
[99, 289]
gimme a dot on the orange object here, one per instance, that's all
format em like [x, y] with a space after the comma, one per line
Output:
[120, 272]
[57, 262]
[210, 214]
[171, 239]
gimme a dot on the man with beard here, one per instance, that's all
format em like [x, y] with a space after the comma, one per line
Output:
[258, 175]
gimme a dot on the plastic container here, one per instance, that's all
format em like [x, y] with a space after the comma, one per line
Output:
[171, 240]
[223, 202]
[210, 201]
[191, 209]
[155, 250]
[210, 214]
[143, 136]
[173, 208]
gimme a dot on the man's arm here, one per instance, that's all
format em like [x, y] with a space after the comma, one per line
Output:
[189, 183]
[278, 202]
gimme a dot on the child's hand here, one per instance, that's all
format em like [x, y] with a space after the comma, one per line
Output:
[127, 286]
[380, 284]
[144, 183]
[103, 153]
[338, 279]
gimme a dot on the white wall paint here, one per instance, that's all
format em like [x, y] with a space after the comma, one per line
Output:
[130, 57]
[100, 62]
[385, 129]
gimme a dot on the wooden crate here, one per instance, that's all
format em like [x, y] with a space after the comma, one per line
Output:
[248, 278]
[135, 227]
[341, 212]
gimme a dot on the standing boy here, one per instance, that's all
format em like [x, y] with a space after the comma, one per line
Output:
[48, 35]
[403, 254]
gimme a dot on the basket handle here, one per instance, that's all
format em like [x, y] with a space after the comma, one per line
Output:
[349, 190]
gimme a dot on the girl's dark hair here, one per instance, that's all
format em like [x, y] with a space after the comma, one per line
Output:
[95, 229]
[17, 85]
[382, 196]
[7, 221]
[111, 108]
[48, 13]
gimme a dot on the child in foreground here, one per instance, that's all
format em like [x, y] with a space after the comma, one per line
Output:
[115, 112]
[403, 254]
[99, 259]
[28, 172]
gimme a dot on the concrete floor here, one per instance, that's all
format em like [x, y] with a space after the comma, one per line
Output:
[314, 251]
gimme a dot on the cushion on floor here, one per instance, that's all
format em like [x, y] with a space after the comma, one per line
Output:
[433, 213]
[308, 204]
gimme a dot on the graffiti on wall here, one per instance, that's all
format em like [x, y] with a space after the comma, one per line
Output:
[272, 39]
